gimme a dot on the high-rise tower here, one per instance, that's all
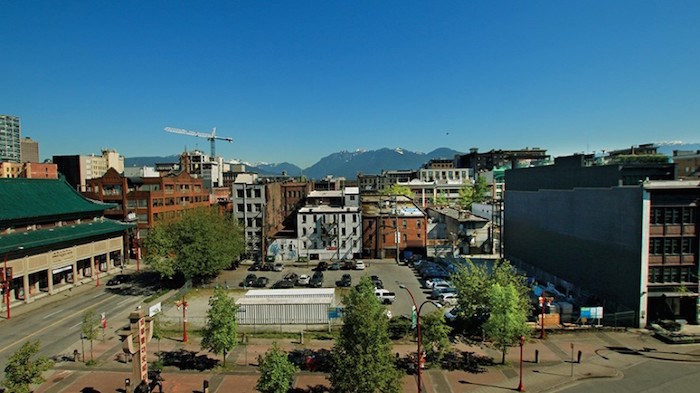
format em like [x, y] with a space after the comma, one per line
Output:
[9, 138]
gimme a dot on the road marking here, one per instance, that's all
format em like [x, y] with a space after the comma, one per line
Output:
[99, 294]
[53, 313]
[49, 326]
[76, 325]
[125, 301]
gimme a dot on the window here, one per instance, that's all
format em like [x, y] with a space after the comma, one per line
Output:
[354, 243]
[656, 246]
[257, 193]
[688, 215]
[303, 231]
[675, 274]
[303, 218]
[240, 207]
[654, 274]
[667, 274]
[405, 238]
[354, 218]
[404, 224]
[342, 218]
[418, 224]
[342, 231]
[239, 193]
[687, 245]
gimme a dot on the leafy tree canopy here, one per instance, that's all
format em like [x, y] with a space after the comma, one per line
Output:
[434, 335]
[276, 371]
[398, 189]
[21, 371]
[474, 281]
[219, 335]
[362, 356]
[198, 244]
[507, 321]
[476, 193]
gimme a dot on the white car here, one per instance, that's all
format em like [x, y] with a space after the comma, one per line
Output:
[303, 280]
[452, 314]
[359, 265]
[448, 299]
[430, 283]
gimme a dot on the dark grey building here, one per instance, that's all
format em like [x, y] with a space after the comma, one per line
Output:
[609, 230]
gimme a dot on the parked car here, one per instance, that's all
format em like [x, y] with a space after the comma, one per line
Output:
[321, 266]
[448, 298]
[267, 267]
[249, 280]
[452, 314]
[255, 266]
[436, 292]
[334, 266]
[283, 284]
[359, 265]
[293, 277]
[377, 282]
[261, 282]
[431, 282]
[278, 267]
[345, 281]
[384, 296]
[316, 280]
[304, 280]
[119, 279]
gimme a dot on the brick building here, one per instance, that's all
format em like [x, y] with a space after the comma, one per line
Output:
[384, 218]
[148, 198]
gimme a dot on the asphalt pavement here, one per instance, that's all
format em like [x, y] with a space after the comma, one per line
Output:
[633, 358]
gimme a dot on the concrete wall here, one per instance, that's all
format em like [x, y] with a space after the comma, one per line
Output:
[592, 237]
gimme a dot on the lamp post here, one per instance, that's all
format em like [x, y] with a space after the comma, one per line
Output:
[521, 388]
[184, 319]
[418, 308]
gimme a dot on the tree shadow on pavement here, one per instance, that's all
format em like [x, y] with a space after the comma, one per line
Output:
[188, 360]
[311, 389]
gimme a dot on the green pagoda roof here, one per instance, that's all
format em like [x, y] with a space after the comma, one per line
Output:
[57, 235]
[35, 200]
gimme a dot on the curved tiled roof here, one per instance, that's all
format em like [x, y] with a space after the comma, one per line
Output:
[26, 200]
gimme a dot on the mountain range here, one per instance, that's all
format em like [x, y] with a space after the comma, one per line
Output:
[348, 164]
[341, 164]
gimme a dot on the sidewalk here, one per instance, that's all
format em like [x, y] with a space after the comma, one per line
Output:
[603, 355]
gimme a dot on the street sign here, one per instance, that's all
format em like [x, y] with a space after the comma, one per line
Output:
[335, 312]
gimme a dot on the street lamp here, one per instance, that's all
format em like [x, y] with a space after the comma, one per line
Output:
[418, 308]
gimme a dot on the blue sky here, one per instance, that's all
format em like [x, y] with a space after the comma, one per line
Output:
[298, 80]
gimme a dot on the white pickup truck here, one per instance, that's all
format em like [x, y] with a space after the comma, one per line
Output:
[385, 296]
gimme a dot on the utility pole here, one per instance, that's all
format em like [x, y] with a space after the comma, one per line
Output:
[396, 225]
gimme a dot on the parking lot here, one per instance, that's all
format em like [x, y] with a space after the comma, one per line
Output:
[391, 274]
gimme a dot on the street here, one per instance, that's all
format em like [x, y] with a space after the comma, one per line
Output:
[56, 322]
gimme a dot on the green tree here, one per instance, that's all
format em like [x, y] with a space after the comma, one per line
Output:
[90, 328]
[507, 321]
[434, 335]
[219, 335]
[474, 281]
[158, 330]
[198, 244]
[362, 356]
[398, 189]
[441, 200]
[276, 371]
[21, 371]
[475, 193]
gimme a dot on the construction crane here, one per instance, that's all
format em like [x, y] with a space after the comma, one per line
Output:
[211, 137]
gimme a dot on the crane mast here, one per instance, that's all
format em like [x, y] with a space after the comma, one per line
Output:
[212, 138]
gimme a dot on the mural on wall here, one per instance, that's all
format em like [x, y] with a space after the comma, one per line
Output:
[283, 250]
